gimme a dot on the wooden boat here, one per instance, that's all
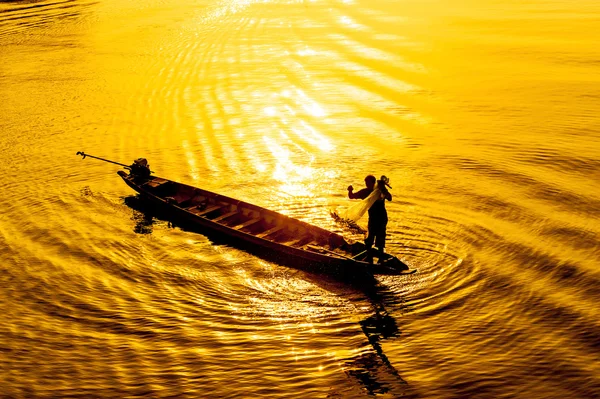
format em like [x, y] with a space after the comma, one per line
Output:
[281, 238]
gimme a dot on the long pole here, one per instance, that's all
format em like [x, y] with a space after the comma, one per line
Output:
[102, 159]
[331, 252]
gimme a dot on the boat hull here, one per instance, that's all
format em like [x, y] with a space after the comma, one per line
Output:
[259, 230]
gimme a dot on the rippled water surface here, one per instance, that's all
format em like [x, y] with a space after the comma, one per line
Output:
[484, 114]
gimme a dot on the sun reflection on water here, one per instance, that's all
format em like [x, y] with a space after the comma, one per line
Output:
[293, 155]
[191, 159]
[349, 22]
[318, 140]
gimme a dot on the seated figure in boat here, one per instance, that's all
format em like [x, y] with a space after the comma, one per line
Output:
[377, 214]
[140, 168]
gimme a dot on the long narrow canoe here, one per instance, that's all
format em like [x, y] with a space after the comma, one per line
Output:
[281, 238]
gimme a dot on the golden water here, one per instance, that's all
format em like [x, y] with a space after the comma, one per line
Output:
[484, 114]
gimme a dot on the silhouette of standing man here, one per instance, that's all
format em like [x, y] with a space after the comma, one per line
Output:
[377, 214]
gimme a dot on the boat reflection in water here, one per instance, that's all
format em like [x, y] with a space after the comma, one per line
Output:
[372, 368]
[142, 215]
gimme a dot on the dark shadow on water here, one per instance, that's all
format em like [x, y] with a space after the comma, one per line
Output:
[22, 1]
[142, 215]
[372, 369]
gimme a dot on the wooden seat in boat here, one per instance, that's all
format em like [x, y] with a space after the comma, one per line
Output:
[272, 230]
[247, 223]
[201, 212]
[309, 244]
[224, 216]
[293, 242]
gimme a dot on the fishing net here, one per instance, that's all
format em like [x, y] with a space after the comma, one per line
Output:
[356, 211]
[352, 214]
